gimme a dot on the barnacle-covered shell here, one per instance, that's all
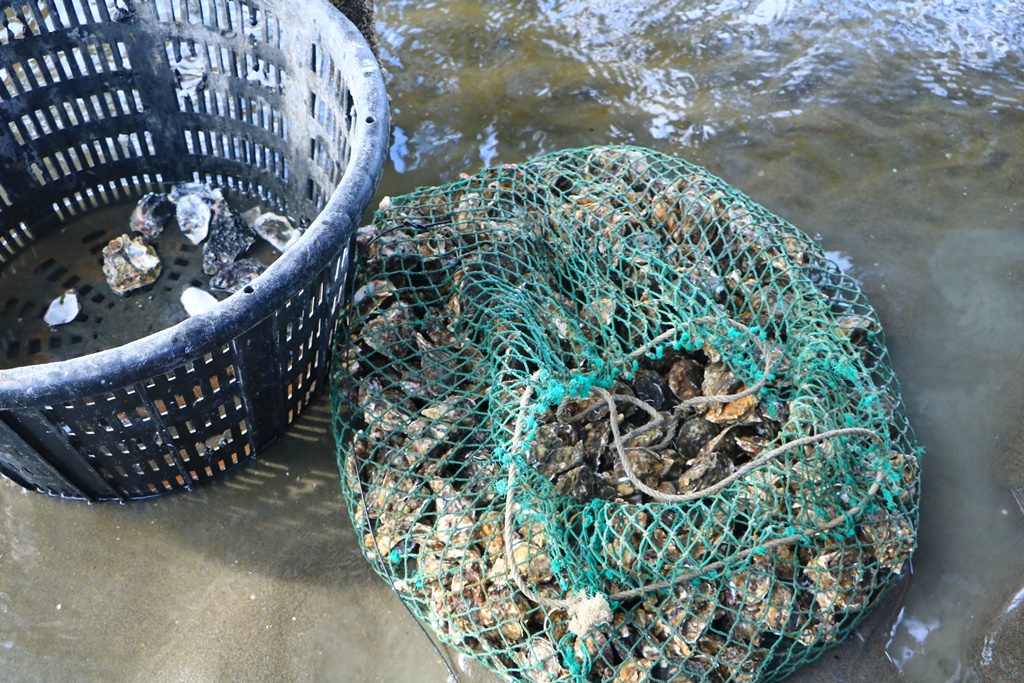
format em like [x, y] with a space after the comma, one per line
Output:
[229, 236]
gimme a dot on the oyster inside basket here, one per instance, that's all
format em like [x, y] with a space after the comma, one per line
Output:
[102, 103]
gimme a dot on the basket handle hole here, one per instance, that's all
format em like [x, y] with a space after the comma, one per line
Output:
[370, 119]
[248, 289]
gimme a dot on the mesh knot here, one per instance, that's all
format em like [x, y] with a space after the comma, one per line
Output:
[587, 612]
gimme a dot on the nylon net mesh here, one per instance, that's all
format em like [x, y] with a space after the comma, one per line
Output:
[601, 417]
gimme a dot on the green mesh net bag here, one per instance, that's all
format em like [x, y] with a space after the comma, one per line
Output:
[601, 417]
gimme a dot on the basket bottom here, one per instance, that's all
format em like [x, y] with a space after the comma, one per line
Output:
[70, 257]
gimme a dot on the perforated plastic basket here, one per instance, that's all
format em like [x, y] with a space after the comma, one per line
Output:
[279, 103]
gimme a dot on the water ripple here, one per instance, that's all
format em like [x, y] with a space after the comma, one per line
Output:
[681, 71]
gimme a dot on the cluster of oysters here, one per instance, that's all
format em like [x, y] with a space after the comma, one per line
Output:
[426, 455]
[204, 217]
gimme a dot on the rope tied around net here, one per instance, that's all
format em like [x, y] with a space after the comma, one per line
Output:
[586, 612]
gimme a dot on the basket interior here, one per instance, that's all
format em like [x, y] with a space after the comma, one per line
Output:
[100, 105]
[102, 101]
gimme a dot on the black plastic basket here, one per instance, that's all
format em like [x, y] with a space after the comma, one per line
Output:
[94, 111]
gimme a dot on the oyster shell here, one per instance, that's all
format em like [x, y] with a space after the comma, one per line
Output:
[63, 309]
[718, 381]
[129, 263]
[237, 274]
[151, 214]
[540, 661]
[194, 215]
[839, 579]
[685, 378]
[277, 230]
[578, 483]
[121, 10]
[692, 436]
[201, 190]
[651, 388]
[196, 300]
[892, 537]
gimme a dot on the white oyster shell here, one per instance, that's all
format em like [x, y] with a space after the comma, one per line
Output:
[197, 300]
[63, 309]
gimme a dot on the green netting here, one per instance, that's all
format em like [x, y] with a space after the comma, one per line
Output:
[601, 417]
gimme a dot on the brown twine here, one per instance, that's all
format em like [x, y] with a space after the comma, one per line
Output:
[684, 407]
[760, 461]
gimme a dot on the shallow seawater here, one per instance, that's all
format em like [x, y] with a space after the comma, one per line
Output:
[891, 131]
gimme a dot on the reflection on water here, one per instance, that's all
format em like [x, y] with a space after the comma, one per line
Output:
[892, 131]
[843, 261]
[679, 72]
[908, 638]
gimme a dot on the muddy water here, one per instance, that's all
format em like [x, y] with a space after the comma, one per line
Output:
[891, 130]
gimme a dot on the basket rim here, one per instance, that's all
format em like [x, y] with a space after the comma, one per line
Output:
[327, 236]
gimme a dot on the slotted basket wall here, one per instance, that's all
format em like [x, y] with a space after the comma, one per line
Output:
[99, 105]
